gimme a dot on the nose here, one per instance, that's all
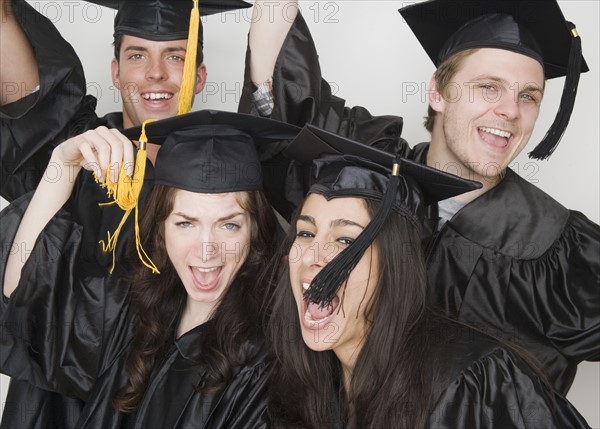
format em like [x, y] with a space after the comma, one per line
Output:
[156, 70]
[205, 246]
[319, 253]
[507, 107]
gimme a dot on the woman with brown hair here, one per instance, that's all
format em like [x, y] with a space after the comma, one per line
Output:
[179, 348]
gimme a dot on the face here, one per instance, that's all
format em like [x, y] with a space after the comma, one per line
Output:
[207, 237]
[148, 76]
[488, 115]
[324, 229]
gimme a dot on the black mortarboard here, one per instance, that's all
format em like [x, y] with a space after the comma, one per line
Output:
[162, 19]
[347, 168]
[536, 28]
[212, 151]
[207, 151]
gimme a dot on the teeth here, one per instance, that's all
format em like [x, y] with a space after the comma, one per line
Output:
[206, 270]
[308, 317]
[305, 286]
[496, 132]
[157, 96]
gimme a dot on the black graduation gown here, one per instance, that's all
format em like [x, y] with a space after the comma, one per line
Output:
[519, 265]
[479, 383]
[302, 96]
[32, 126]
[67, 328]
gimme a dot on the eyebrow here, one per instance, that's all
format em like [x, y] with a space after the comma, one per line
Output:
[144, 49]
[221, 219]
[527, 87]
[334, 223]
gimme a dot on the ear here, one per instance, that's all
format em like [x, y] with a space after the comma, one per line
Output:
[201, 77]
[114, 71]
[436, 101]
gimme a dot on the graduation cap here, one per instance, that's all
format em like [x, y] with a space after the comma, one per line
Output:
[207, 151]
[347, 168]
[534, 28]
[162, 20]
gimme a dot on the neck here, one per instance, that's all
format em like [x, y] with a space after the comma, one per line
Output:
[347, 358]
[193, 315]
[441, 158]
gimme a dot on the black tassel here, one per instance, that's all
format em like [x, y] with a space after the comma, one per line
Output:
[326, 283]
[550, 141]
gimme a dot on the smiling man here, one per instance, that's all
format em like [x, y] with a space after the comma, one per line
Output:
[507, 257]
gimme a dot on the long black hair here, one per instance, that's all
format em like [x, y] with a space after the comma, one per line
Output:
[391, 383]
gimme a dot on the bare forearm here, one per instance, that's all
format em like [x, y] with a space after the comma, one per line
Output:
[271, 21]
[47, 200]
[18, 66]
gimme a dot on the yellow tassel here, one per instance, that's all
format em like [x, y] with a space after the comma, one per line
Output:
[126, 194]
[188, 81]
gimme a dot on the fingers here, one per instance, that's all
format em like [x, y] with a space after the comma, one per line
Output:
[102, 151]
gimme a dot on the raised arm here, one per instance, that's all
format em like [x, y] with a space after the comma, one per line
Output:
[95, 150]
[18, 66]
[271, 22]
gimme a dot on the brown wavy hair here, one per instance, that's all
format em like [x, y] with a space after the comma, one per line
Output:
[158, 300]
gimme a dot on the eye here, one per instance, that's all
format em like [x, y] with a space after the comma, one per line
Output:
[528, 98]
[488, 87]
[183, 224]
[230, 226]
[175, 58]
[305, 234]
[136, 57]
[346, 241]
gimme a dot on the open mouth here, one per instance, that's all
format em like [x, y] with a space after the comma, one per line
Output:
[316, 315]
[206, 278]
[157, 96]
[495, 137]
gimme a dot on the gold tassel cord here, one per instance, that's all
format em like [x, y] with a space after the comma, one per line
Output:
[125, 193]
[188, 81]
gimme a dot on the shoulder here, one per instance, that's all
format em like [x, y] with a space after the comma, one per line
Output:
[513, 215]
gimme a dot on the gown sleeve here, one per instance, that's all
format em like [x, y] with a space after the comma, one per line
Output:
[58, 322]
[243, 405]
[32, 126]
[500, 391]
[567, 287]
[301, 96]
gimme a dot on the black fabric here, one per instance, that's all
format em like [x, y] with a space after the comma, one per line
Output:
[519, 265]
[302, 96]
[31, 127]
[536, 28]
[68, 326]
[436, 185]
[163, 19]
[485, 384]
[29, 131]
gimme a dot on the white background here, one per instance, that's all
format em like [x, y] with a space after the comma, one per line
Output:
[371, 58]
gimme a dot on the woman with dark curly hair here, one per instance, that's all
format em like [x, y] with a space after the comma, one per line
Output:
[177, 345]
[356, 341]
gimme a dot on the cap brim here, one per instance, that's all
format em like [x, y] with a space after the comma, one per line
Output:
[263, 130]
[436, 185]
[434, 22]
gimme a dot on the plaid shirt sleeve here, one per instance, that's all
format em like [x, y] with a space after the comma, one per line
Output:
[263, 98]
